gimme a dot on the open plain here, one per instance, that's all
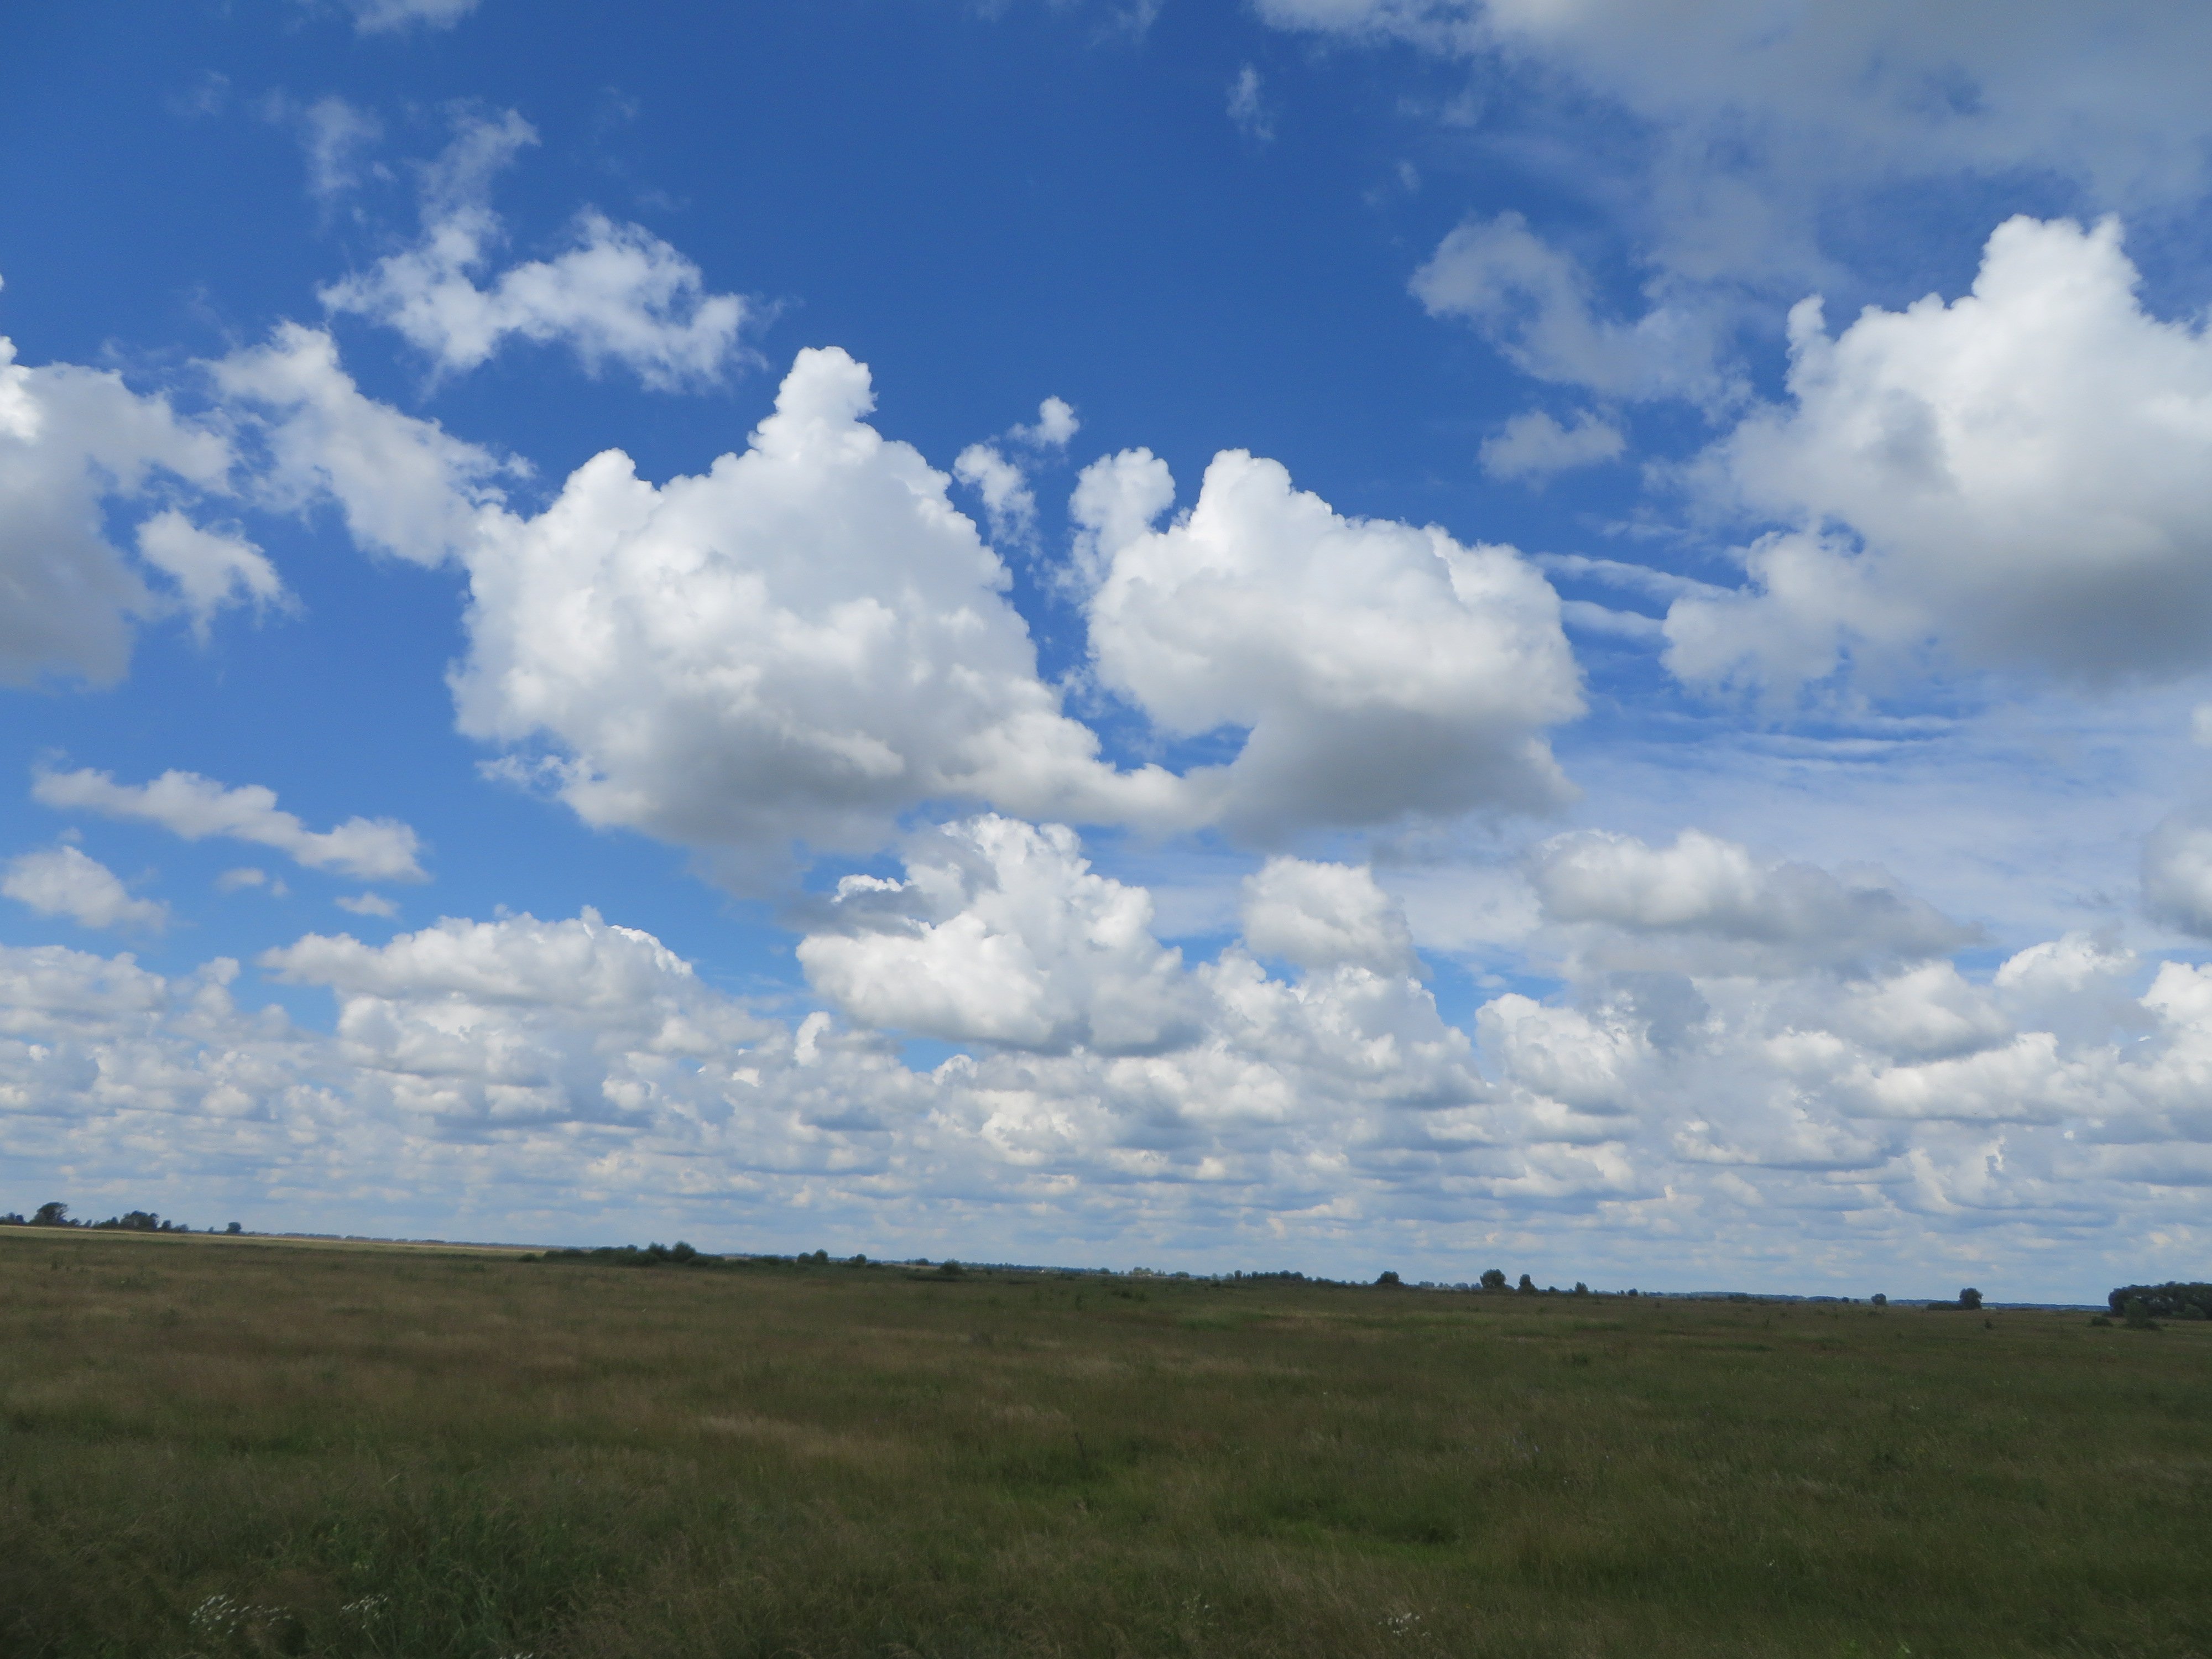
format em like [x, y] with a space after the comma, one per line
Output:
[221, 1446]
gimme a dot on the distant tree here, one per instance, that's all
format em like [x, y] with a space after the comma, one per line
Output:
[1880, 1300]
[1386, 1277]
[2138, 1312]
[233, 1228]
[1527, 1287]
[951, 1269]
[11, 1220]
[859, 1261]
[1970, 1298]
[820, 1258]
[1581, 1288]
[53, 1215]
[1493, 1279]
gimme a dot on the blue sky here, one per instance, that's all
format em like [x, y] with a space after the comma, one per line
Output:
[1327, 633]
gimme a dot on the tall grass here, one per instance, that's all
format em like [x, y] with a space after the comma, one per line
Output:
[220, 1449]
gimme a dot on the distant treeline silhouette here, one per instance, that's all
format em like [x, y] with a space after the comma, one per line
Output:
[56, 1214]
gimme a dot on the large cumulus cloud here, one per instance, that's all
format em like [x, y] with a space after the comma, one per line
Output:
[2018, 477]
[1376, 670]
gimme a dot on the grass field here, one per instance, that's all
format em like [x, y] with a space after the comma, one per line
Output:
[229, 1447]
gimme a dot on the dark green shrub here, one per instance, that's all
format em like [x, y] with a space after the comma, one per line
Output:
[1527, 1287]
[1386, 1277]
[1970, 1298]
[1493, 1279]
[2163, 1301]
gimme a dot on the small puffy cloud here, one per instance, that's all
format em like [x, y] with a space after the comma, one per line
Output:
[1008, 499]
[367, 904]
[249, 876]
[74, 440]
[1247, 110]
[1534, 447]
[617, 294]
[1753, 915]
[1377, 670]
[211, 571]
[1056, 425]
[2022, 477]
[1536, 304]
[800, 644]
[63, 881]
[1320, 914]
[185, 804]
[1002, 934]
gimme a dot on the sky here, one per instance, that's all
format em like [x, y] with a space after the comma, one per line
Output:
[1335, 635]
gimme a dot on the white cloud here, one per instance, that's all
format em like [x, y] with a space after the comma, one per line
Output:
[406, 486]
[1729, 910]
[185, 804]
[238, 880]
[397, 16]
[1056, 425]
[1535, 304]
[1008, 499]
[1755, 114]
[1320, 914]
[1002, 934]
[618, 294]
[73, 440]
[1533, 446]
[333, 135]
[211, 571]
[2023, 476]
[368, 904]
[1247, 110]
[62, 881]
[802, 643]
[2177, 873]
[1379, 670]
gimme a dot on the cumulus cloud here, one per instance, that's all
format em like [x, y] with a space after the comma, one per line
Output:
[249, 876]
[367, 904]
[1713, 898]
[617, 294]
[185, 804]
[518, 1020]
[1008, 500]
[1536, 304]
[1001, 932]
[74, 442]
[1056, 425]
[1319, 915]
[63, 881]
[1534, 447]
[802, 643]
[1377, 670]
[2020, 475]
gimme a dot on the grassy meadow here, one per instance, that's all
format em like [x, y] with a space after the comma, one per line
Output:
[221, 1447]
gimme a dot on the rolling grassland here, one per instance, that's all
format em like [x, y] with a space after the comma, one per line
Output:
[223, 1448]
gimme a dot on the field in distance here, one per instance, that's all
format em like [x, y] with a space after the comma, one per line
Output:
[218, 1448]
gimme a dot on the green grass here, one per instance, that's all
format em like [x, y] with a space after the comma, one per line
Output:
[224, 1448]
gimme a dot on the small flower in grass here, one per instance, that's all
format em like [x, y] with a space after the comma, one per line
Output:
[1403, 1624]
